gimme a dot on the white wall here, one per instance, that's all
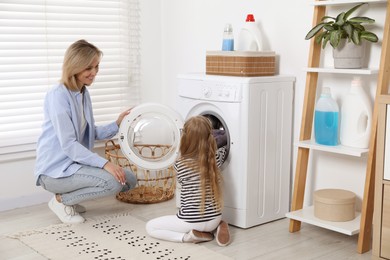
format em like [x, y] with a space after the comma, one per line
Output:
[175, 37]
[151, 49]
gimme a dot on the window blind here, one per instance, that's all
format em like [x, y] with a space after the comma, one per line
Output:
[34, 37]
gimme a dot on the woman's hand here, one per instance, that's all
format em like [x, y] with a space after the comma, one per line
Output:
[122, 115]
[116, 171]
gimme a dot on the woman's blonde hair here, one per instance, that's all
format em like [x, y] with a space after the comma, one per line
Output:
[78, 57]
[198, 143]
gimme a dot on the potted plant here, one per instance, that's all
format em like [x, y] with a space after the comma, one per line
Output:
[346, 36]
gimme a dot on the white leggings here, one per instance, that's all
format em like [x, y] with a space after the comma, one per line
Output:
[173, 229]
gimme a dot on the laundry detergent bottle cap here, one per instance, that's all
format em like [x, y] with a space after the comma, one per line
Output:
[250, 36]
[326, 119]
[356, 117]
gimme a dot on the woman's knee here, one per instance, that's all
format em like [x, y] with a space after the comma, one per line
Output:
[114, 186]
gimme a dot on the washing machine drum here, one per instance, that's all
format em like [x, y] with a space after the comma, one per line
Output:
[149, 136]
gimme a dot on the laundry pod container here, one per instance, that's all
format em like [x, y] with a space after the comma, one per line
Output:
[334, 205]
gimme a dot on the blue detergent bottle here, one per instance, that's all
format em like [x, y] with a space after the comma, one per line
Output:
[228, 38]
[326, 119]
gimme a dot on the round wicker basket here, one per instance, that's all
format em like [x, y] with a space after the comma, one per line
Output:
[153, 186]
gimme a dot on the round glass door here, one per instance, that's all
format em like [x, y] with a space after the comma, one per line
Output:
[149, 136]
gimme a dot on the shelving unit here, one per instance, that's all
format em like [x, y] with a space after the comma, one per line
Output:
[362, 224]
[307, 215]
[344, 2]
[343, 71]
[340, 149]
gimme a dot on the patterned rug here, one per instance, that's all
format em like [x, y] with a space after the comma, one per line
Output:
[119, 237]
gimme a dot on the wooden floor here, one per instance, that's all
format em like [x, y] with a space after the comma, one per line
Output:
[267, 241]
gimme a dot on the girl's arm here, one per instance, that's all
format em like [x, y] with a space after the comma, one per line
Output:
[221, 155]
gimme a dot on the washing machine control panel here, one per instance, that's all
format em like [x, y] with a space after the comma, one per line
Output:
[221, 92]
[211, 91]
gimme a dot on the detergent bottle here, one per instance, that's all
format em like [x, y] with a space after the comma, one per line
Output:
[250, 36]
[228, 38]
[326, 119]
[356, 117]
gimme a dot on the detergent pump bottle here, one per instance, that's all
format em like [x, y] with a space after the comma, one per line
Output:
[250, 36]
[356, 117]
[326, 119]
[228, 38]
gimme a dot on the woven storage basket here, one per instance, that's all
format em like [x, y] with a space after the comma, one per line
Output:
[153, 186]
[240, 63]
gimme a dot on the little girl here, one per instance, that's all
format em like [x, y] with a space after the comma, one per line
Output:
[201, 189]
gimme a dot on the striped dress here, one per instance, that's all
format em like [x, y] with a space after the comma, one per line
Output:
[191, 194]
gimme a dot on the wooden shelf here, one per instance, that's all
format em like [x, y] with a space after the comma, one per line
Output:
[299, 213]
[344, 71]
[339, 149]
[306, 215]
[344, 2]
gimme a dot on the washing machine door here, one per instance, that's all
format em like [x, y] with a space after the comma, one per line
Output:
[149, 136]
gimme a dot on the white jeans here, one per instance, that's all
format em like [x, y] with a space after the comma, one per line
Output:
[173, 229]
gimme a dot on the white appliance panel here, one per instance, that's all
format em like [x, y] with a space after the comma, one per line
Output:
[257, 112]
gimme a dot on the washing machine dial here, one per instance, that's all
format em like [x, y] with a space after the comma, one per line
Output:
[207, 92]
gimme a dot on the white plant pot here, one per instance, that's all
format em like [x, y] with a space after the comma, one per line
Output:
[348, 55]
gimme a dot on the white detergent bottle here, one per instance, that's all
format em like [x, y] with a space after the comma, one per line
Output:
[250, 36]
[356, 117]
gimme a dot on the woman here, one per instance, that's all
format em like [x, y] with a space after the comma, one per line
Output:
[65, 164]
[201, 190]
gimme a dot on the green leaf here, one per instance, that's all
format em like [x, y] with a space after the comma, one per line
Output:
[355, 37]
[369, 36]
[328, 17]
[348, 29]
[361, 19]
[325, 40]
[314, 30]
[340, 20]
[335, 37]
[350, 11]
[329, 27]
[320, 37]
[358, 27]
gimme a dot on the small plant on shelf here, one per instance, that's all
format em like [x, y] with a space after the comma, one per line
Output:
[334, 29]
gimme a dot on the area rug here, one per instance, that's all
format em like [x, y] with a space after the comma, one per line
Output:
[119, 237]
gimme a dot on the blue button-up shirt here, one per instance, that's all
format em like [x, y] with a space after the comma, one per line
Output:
[62, 148]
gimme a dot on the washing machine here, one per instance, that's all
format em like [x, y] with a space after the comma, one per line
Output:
[256, 114]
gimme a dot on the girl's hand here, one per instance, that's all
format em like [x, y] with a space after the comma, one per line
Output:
[122, 115]
[116, 171]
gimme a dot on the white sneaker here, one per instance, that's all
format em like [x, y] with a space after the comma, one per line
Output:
[195, 236]
[66, 214]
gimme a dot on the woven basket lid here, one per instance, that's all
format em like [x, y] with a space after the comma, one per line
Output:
[334, 196]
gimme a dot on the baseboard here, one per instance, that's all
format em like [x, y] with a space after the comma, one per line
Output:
[24, 201]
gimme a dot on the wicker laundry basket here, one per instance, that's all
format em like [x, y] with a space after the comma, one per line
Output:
[153, 186]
